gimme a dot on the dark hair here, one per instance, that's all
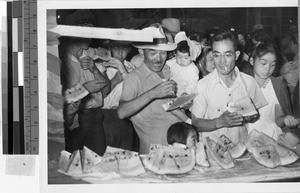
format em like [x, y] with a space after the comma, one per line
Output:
[225, 35]
[183, 47]
[261, 35]
[179, 131]
[262, 49]
[202, 62]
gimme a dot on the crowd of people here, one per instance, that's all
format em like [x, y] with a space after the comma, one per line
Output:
[120, 103]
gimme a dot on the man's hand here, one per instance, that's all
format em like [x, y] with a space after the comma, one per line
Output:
[94, 86]
[164, 89]
[87, 63]
[228, 119]
[290, 121]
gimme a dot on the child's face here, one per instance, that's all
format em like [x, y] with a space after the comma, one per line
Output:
[191, 140]
[120, 52]
[183, 59]
[265, 65]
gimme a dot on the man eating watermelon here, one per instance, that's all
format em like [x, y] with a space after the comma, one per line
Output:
[226, 84]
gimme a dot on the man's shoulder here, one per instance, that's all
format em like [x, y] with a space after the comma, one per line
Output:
[247, 77]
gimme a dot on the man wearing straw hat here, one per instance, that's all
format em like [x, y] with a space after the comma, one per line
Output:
[144, 92]
[84, 84]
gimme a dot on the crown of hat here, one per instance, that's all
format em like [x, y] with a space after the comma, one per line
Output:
[172, 24]
[160, 41]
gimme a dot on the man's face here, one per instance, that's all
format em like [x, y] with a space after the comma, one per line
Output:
[155, 59]
[82, 43]
[224, 56]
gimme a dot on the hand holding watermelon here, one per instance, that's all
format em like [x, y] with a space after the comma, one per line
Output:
[164, 89]
[228, 119]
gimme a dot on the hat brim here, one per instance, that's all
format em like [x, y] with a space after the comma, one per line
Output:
[163, 47]
[116, 42]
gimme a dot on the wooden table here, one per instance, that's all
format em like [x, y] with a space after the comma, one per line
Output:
[244, 171]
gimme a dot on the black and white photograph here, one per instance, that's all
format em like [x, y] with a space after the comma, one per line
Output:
[168, 95]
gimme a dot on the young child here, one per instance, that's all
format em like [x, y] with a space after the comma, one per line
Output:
[277, 113]
[182, 134]
[183, 70]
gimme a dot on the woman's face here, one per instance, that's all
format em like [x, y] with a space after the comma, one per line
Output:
[264, 66]
[210, 65]
[191, 140]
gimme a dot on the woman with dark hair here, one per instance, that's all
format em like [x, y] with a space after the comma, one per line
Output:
[206, 64]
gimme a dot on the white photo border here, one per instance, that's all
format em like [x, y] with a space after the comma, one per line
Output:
[43, 6]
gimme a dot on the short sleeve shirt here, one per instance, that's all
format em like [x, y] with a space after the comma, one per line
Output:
[151, 122]
[213, 97]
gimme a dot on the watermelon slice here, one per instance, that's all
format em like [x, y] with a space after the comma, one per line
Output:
[75, 164]
[107, 164]
[201, 156]
[267, 156]
[121, 161]
[89, 159]
[219, 153]
[130, 165]
[235, 150]
[286, 155]
[256, 139]
[64, 160]
[244, 107]
[167, 159]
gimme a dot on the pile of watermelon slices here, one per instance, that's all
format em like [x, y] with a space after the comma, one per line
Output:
[171, 159]
[218, 153]
[86, 161]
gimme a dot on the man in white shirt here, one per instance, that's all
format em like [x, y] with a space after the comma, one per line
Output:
[222, 86]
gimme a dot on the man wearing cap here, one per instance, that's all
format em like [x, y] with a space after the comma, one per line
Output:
[83, 86]
[144, 92]
[118, 132]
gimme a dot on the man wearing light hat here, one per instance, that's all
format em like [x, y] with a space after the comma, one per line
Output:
[146, 89]
[172, 24]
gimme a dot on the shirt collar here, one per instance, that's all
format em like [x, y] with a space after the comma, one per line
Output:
[146, 72]
[215, 78]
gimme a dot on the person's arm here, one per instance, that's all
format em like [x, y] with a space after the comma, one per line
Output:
[121, 73]
[181, 115]
[162, 90]
[227, 119]
[101, 82]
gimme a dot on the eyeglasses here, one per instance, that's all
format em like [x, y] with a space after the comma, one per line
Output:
[228, 55]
